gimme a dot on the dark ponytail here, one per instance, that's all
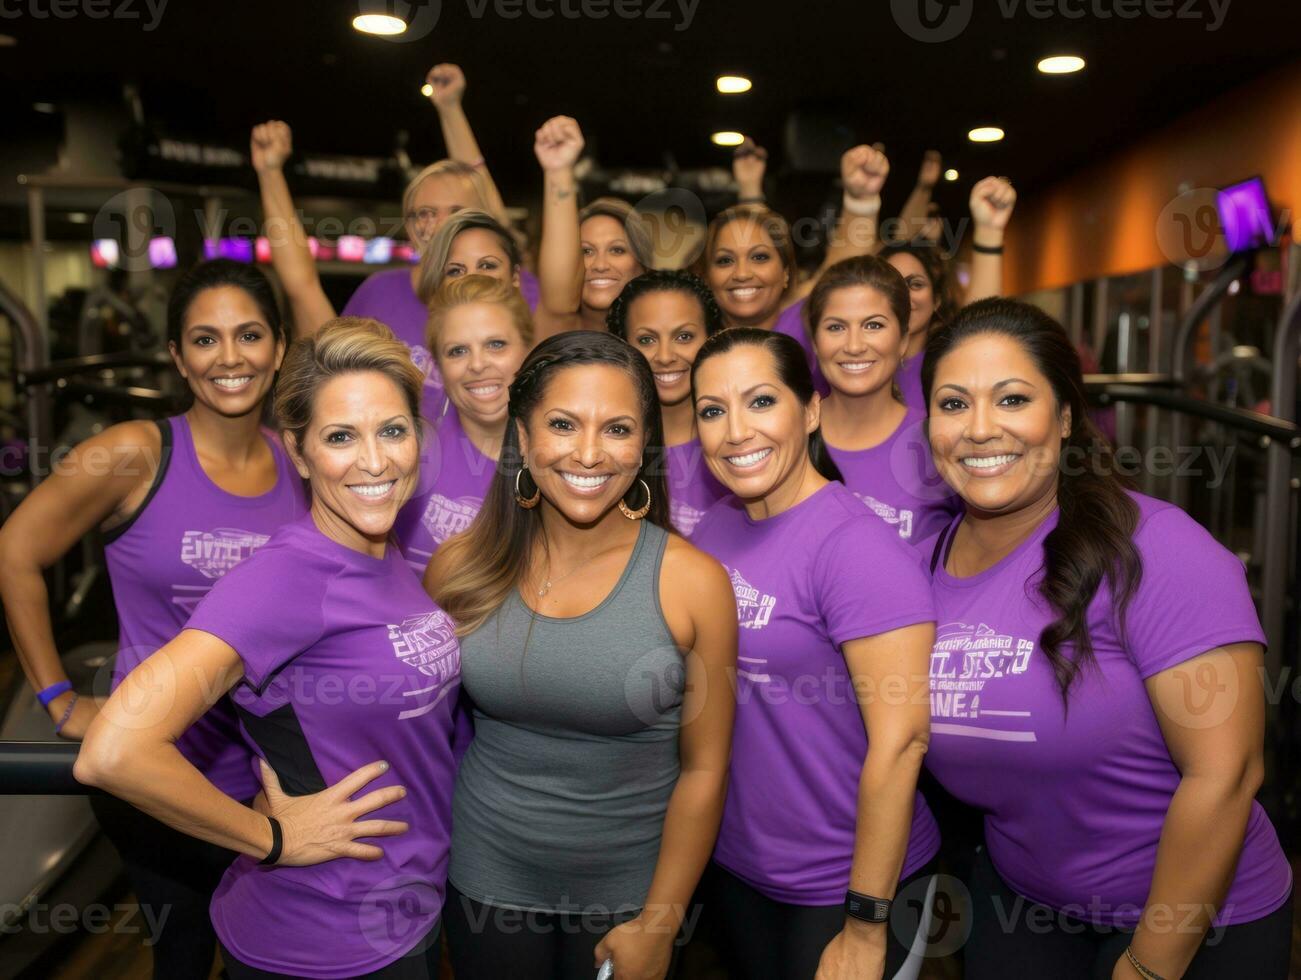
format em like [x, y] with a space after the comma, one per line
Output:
[1094, 537]
[792, 370]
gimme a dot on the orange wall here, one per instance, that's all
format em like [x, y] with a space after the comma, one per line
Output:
[1103, 221]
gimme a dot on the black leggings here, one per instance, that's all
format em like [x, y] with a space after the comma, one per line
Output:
[1014, 937]
[490, 943]
[174, 876]
[771, 940]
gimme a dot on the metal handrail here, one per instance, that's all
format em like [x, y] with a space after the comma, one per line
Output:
[93, 362]
[40, 769]
[1274, 429]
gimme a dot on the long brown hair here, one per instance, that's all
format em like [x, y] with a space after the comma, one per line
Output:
[489, 558]
[1094, 537]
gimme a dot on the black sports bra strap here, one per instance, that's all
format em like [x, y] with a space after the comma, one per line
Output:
[940, 544]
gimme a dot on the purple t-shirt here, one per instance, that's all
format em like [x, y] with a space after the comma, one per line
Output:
[898, 482]
[390, 298]
[791, 323]
[346, 661]
[693, 489]
[454, 479]
[909, 378]
[188, 534]
[1075, 802]
[806, 581]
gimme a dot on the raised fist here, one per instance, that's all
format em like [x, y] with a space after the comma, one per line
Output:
[992, 200]
[558, 144]
[929, 174]
[270, 145]
[748, 165]
[448, 84]
[863, 170]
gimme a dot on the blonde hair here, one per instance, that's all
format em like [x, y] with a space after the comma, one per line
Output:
[434, 259]
[445, 168]
[345, 345]
[477, 289]
[634, 226]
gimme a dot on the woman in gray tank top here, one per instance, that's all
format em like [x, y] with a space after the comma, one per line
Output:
[597, 649]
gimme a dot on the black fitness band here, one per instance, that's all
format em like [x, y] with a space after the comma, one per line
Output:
[867, 908]
[987, 249]
[277, 842]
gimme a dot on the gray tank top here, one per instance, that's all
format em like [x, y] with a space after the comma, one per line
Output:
[560, 799]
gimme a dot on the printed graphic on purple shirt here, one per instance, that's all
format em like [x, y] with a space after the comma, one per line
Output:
[801, 580]
[1075, 800]
[693, 489]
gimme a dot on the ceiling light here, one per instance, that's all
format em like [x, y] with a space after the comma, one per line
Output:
[426, 90]
[727, 139]
[950, 175]
[7, 40]
[381, 24]
[733, 84]
[1061, 64]
[78, 217]
[45, 107]
[985, 134]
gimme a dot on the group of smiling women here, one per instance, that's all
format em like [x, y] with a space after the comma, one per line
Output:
[567, 618]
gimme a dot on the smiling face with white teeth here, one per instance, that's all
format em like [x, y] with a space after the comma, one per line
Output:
[746, 273]
[479, 350]
[361, 454]
[859, 341]
[668, 328]
[584, 441]
[227, 351]
[608, 261]
[754, 432]
[996, 428]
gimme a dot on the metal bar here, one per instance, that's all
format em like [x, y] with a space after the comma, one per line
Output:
[1136, 379]
[1179, 365]
[1077, 313]
[1124, 352]
[1285, 433]
[29, 356]
[39, 769]
[93, 362]
[63, 182]
[36, 218]
[1278, 510]
[1152, 418]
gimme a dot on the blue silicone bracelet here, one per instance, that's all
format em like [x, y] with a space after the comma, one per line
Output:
[52, 692]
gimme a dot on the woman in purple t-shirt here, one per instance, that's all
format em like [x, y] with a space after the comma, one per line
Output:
[823, 825]
[344, 674]
[1095, 686]
[668, 315]
[180, 502]
[857, 312]
[479, 332]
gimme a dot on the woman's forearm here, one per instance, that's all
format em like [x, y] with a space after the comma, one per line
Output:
[1201, 840]
[27, 614]
[464, 148]
[560, 260]
[986, 267]
[156, 778]
[291, 257]
[887, 789]
[690, 829]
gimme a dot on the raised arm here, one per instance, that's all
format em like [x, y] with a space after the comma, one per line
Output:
[270, 146]
[130, 751]
[448, 84]
[698, 590]
[863, 170]
[916, 209]
[892, 668]
[558, 145]
[749, 163]
[992, 200]
[1220, 756]
[102, 480]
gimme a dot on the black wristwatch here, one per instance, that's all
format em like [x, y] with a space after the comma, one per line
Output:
[867, 908]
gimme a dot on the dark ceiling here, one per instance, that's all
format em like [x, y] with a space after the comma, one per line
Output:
[642, 87]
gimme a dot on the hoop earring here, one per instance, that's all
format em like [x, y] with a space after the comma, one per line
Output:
[640, 512]
[528, 503]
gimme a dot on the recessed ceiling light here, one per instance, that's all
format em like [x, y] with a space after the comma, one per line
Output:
[950, 175]
[78, 217]
[426, 90]
[382, 24]
[45, 107]
[985, 134]
[1061, 64]
[727, 138]
[733, 84]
